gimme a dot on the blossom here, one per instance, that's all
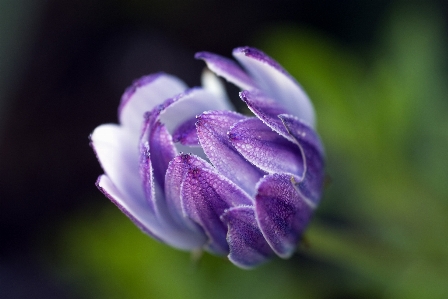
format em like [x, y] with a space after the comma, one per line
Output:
[194, 174]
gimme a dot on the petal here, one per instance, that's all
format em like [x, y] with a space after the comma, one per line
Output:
[159, 142]
[142, 215]
[163, 151]
[187, 105]
[276, 82]
[175, 174]
[267, 110]
[147, 179]
[212, 128]
[145, 94]
[156, 152]
[213, 84]
[117, 151]
[282, 213]
[205, 196]
[311, 186]
[248, 248]
[265, 148]
[186, 133]
[227, 69]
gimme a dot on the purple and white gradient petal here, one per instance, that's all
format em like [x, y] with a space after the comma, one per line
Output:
[192, 173]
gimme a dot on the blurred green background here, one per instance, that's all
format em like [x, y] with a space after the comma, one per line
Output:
[376, 72]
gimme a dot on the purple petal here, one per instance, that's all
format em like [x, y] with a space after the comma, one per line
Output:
[283, 213]
[227, 69]
[157, 152]
[166, 209]
[186, 133]
[145, 94]
[276, 82]
[205, 196]
[161, 147]
[142, 215]
[265, 148]
[175, 174]
[248, 248]
[163, 151]
[311, 185]
[147, 178]
[212, 128]
[267, 110]
[152, 162]
[117, 150]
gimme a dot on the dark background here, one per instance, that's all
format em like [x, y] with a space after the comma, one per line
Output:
[63, 74]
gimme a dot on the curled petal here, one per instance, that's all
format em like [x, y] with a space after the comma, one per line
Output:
[162, 149]
[311, 185]
[265, 148]
[248, 248]
[266, 109]
[213, 84]
[142, 215]
[186, 133]
[140, 212]
[276, 82]
[155, 156]
[145, 94]
[117, 151]
[184, 107]
[227, 69]
[175, 174]
[212, 128]
[156, 150]
[205, 196]
[147, 179]
[282, 212]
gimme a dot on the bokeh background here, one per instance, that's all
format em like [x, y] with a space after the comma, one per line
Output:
[376, 71]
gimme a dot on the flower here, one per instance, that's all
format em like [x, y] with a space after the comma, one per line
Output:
[247, 186]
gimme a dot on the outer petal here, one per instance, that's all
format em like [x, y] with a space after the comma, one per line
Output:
[311, 185]
[142, 215]
[265, 148]
[282, 212]
[276, 82]
[248, 248]
[212, 128]
[227, 69]
[145, 94]
[117, 151]
[205, 196]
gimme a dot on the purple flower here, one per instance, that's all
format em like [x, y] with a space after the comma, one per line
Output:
[247, 187]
